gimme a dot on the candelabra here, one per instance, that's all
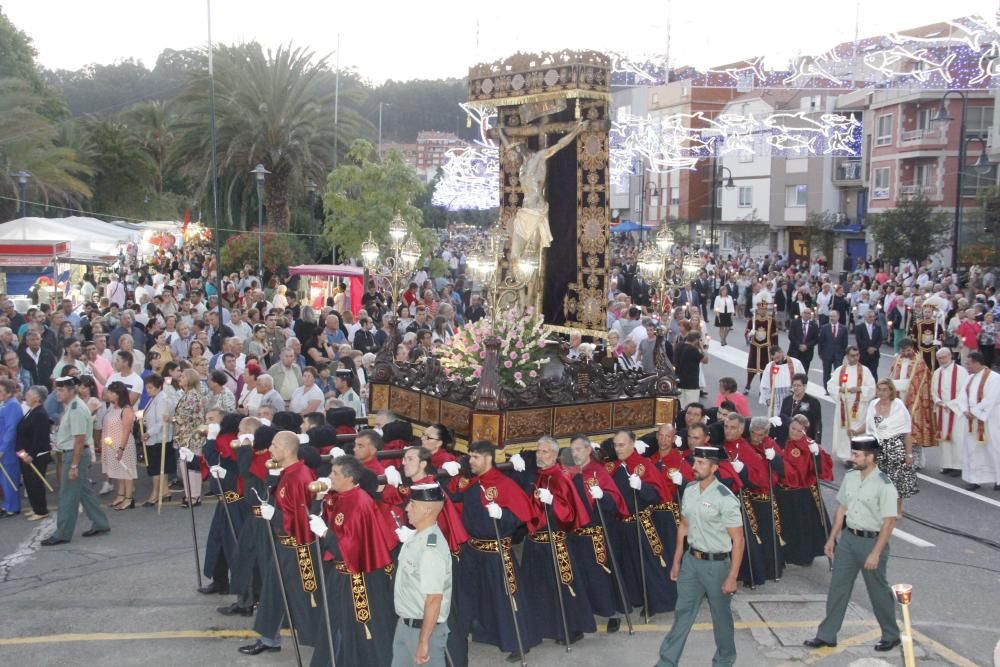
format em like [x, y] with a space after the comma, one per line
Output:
[398, 264]
[502, 288]
[667, 270]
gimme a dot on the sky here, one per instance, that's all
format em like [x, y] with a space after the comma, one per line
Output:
[442, 38]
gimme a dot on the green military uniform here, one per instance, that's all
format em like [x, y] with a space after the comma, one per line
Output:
[869, 502]
[424, 569]
[709, 513]
[77, 420]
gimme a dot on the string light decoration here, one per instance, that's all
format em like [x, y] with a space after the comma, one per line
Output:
[962, 55]
[470, 175]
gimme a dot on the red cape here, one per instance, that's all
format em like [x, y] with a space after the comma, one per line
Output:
[293, 499]
[597, 471]
[504, 492]
[800, 465]
[449, 520]
[567, 507]
[674, 460]
[648, 473]
[755, 465]
[364, 537]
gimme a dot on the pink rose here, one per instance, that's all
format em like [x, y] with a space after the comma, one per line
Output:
[474, 348]
[476, 373]
[507, 364]
[520, 345]
[517, 375]
[482, 355]
[533, 374]
[513, 355]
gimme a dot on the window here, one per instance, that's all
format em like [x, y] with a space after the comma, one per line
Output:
[924, 117]
[675, 196]
[880, 183]
[727, 240]
[978, 121]
[745, 197]
[973, 182]
[883, 130]
[923, 175]
[745, 156]
[796, 195]
[718, 197]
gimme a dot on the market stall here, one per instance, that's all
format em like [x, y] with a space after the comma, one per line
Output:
[322, 281]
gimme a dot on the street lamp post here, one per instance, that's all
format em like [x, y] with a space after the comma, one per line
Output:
[22, 186]
[982, 164]
[717, 172]
[260, 172]
[399, 264]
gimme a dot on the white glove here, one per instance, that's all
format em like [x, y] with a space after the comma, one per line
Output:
[265, 421]
[392, 476]
[678, 442]
[247, 438]
[676, 477]
[267, 511]
[213, 431]
[641, 447]
[186, 454]
[337, 452]
[495, 511]
[517, 462]
[738, 466]
[813, 448]
[218, 472]
[937, 343]
[545, 496]
[635, 481]
[596, 492]
[775, 421]
[404, 533]
[769, 453]
[303, 438]
[451, 467]
[317, 525]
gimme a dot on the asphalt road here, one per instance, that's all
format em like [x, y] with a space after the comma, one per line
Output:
[128, 598]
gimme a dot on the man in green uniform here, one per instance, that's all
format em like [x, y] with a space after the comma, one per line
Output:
[713, 525]
[423, 583]
[75, 439]
[868, 506]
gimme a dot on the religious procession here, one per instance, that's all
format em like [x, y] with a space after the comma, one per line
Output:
[645, 364]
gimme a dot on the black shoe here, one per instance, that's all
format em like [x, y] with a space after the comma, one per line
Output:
[573, 638]
[257, 648]
[816, 642]
[971, 487]
[517, 657]
[996, 487]
[4, 514]
[196, 503]
[51, 542]
[214, 589]
[887, 645]
[614, 625]
[235, 610]
[176, 486]
[955, 473]
[95, 531]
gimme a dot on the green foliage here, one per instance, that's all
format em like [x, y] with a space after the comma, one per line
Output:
[413, 106]
[439, 268]
[750, 232]
[818, 233]
[912, 230]
[364, 194]
[280, 251]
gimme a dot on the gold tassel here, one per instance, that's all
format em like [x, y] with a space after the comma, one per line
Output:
[577, 114]
[571, 591]
[663, 563]
[758, 539]
[513, 603]
[781, 541]
[368, 633]
[605, 568]
[312, 599]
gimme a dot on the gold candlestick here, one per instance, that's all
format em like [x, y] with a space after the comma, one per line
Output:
[904, 594]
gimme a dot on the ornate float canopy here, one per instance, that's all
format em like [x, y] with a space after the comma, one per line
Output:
[536, 77]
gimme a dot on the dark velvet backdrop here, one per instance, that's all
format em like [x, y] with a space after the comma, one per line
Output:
[560, 259]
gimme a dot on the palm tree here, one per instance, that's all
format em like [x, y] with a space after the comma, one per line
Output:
[28, 142]
[272, 108]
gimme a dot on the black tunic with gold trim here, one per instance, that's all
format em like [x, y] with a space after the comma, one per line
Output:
[220, 542]
[761, 334]
[924, 332]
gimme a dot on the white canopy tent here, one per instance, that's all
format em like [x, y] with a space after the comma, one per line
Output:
[90, 239]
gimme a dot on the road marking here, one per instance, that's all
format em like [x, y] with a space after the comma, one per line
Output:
[816, 655]
[958, 489]
[738, 358]
[943, 650]
[911, 538]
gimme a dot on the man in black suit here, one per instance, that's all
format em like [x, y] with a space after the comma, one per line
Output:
[800, 403]
[704, 288]
[803, 336]
[868, 337]
[37, 360]
[688, 297]
[832, 344]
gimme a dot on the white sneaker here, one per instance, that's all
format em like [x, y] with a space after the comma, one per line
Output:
[106, 488]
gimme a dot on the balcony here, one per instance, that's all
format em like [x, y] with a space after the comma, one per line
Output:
[928, 137]
[928, 191]
[847, 173]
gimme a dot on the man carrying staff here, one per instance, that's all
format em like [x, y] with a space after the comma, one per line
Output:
[852, 388]
[865, 520]
[761, 335]
[776, 380]
[713, 525]
[912, 378]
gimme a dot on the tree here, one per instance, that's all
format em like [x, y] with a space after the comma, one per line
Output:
[280, 252]
[750, 231]
[979, 242]
[364, 194]
[912, 230]
[818, 234]
[270, 109]
[124, 171]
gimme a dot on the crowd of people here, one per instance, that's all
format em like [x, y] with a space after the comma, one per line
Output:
[203, 388]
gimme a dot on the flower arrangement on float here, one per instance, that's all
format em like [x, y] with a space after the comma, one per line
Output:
[521, 354]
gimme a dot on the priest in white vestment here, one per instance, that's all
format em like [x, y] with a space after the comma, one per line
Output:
[852, 387]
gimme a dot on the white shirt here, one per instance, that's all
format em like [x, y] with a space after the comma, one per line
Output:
[823, 301]
[132, 381]
[301, 398]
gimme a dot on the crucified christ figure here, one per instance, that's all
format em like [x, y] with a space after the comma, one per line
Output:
[531, 223]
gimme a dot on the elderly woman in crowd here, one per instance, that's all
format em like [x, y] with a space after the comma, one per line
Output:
[309, 397]
[156, 431]
[189, 415]
[889, 421]
[33, 446]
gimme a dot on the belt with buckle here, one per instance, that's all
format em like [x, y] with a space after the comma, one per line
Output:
[415, 623]
[863, 533]
[702, 555]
